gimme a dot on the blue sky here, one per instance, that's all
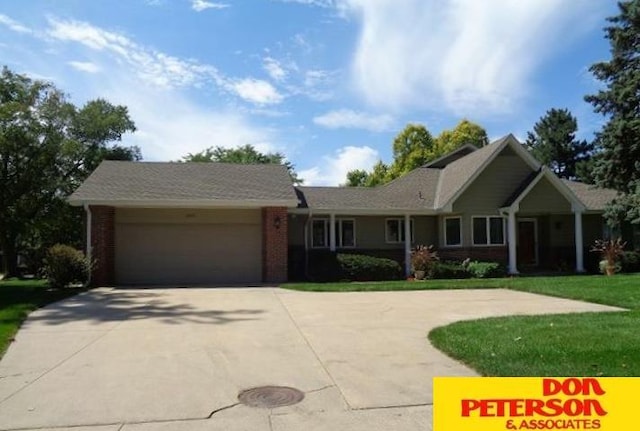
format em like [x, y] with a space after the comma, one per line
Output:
[327, 82]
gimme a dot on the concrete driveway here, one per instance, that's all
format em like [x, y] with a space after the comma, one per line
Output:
[175, 359]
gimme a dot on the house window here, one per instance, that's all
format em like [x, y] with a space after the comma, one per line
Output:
[394, 230]
[453, 231]
[345, 233]
[320, 233]
[488, 231]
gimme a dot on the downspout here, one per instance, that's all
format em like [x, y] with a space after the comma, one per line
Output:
[306, 244]
[88, 245]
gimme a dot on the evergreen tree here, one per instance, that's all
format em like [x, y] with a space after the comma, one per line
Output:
[619, 100]
[553, 142]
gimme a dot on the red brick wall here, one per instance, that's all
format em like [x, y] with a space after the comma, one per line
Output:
[102, 245]
[274, 245]
[498, 254]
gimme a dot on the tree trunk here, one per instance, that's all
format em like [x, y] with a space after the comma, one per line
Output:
[9, 258]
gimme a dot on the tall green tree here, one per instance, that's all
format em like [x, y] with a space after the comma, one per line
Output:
[465, 132]
[47, 147]
[357, 178]
[246, 154]
[553, 142]
[413, 147]
[618, 167]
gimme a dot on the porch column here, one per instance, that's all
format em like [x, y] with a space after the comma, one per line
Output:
[407, 245]
[578, 241]
[332, 232]
[513, 269]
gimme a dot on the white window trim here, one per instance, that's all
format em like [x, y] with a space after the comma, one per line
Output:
[339, 233]
[400, 222]
[444, 230]
[487, 226]
[326, 232]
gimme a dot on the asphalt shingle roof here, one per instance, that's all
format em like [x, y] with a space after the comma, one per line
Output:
[593, 198]
[149, 181]
[424, 188]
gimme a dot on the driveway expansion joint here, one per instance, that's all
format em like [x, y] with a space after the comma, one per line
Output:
[398, 406]
[308, 343]
[321, 389]
[230, 406]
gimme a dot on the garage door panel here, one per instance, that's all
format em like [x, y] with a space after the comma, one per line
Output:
[188, 254]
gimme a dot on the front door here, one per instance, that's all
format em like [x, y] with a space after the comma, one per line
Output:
[527, 242]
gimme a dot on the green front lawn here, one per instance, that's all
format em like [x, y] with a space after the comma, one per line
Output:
[621, 290]
[17, 299]
[489, 283]
[585, 344]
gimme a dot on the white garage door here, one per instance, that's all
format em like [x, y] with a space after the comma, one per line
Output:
[184, 254]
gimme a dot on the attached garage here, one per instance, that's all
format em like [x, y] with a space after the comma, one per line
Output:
[187, 247]
[186, 224]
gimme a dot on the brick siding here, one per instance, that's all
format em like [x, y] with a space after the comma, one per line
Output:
[102, 245]
[498, 254]
[274, 244]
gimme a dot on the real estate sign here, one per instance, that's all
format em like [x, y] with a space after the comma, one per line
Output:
[535, 403]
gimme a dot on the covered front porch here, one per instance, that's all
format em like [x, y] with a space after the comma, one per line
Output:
[548, 227]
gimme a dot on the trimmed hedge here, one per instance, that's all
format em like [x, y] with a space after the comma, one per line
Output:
[485, 269]
[473, 269]
[630, 261]
[449, 270]
[359, 267]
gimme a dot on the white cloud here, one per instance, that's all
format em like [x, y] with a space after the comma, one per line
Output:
[465, 56]
[84, 66]
[333, 169]
[155, 67]
[274, 69]
[159, 69]
[169, 124]
[14, 25]
[346, 118]
[256, 91]
[152, 85]
[200, 5]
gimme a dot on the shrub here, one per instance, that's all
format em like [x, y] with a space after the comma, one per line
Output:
[449, 270]
[323, 266]
[484, 269]
[610, 252]
[64, 265]
[630, 261]
[423, 258]
[358, 267]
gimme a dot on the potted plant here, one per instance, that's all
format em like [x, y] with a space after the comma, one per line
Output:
[610, 252]
[423, 258]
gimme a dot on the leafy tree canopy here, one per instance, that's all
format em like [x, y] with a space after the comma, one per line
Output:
[413, 147]
[48, 147]
[464, 133]
[618, 167]
[553, 142]
[246, 154]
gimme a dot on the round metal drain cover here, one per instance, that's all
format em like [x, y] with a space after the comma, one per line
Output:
[270, 396]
